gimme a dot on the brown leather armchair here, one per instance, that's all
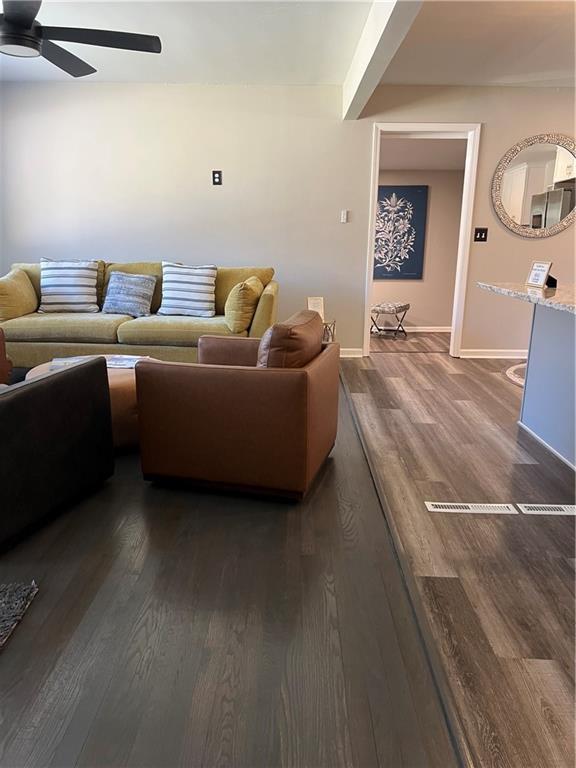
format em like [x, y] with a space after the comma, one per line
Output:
[5, 362]
[227, 421]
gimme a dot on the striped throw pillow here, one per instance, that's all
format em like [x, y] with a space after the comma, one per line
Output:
[68, 286]
[188, 290]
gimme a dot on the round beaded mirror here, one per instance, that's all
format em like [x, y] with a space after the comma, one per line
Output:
[533, 188]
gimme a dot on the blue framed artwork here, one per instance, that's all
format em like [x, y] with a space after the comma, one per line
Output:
[400, 232]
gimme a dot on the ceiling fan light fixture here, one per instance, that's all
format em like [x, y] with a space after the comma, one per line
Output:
[22, 46]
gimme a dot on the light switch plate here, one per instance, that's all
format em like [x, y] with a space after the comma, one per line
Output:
[480, 234]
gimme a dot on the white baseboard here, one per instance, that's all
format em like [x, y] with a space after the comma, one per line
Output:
[351, 352]
[511, 354]
[545, 444]
[428, 328]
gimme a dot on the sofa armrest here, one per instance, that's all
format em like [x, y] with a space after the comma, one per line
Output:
[228, 350]
[266, 311]
[5, 362]
[224, 424]
[17, 295]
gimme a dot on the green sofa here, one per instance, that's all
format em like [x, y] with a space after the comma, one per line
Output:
[33, 338]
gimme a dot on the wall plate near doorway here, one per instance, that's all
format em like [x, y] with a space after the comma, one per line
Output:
[479, 509]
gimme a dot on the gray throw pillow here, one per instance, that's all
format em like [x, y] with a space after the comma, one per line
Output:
[129, 294]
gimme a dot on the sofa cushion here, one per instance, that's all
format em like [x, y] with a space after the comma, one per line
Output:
[228, 277]
[173, 330]
[293, 343]
[33, 271]
[241, 304]
[129, 294]
[64, 326]
[17, 295]
[139, 268]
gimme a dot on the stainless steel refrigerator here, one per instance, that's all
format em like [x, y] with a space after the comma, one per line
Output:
[549, 208]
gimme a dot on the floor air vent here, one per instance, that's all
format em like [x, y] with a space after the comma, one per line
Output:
[547, 509]
[486, 509]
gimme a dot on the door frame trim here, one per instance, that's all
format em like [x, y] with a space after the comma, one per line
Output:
[471, 133]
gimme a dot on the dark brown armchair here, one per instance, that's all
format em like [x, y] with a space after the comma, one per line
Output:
[56, 444]
[234, 420]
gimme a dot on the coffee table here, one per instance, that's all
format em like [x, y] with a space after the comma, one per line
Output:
[122, 383]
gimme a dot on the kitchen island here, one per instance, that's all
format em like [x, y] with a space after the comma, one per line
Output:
[548, 411]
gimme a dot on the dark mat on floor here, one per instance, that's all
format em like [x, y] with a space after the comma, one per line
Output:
[14, 602]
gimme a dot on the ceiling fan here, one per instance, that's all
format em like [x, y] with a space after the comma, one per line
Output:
[21, 35]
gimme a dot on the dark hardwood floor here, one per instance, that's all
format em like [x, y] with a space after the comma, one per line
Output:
[494, 593]
[175, 628]
[412, 342]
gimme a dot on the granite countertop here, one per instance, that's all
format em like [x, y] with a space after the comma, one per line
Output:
[562, 298]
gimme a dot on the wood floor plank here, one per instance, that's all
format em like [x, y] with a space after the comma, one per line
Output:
[413, 342]
[497, 730]
[548, 696]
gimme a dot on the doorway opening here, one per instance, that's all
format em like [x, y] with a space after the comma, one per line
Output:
[422, 194]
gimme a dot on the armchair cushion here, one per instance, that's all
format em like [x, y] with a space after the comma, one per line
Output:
[17, 295]
[293, 343]
[232, 350]
[241, 304]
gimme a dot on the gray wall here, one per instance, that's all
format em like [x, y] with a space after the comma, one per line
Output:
[123, 172]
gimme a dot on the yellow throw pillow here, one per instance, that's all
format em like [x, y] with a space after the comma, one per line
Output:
[228, 277]
[241, 304]
[17, 295]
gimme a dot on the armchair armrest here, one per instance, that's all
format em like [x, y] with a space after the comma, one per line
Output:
[5, 362]
[266, 311]
[228, 350]
[224, 424]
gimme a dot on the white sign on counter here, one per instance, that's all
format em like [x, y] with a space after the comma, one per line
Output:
[539, 273]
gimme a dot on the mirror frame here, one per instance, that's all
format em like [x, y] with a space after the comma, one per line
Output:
[558, 139]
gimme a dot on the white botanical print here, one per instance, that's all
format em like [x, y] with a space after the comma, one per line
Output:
[395, 234]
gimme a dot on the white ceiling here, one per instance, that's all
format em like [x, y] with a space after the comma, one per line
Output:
[488, 42]
[422, 154]
[303, 42]
[235, 43]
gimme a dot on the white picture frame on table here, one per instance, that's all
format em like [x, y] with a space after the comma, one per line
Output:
[316, 303]
[538, 274]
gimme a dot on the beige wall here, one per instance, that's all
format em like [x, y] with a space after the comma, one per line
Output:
[431, 298]
[507, 115]
[123, 172]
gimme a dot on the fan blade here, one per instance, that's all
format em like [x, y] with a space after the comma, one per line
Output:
[21, 13]
[126, 40]
[66, 60]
